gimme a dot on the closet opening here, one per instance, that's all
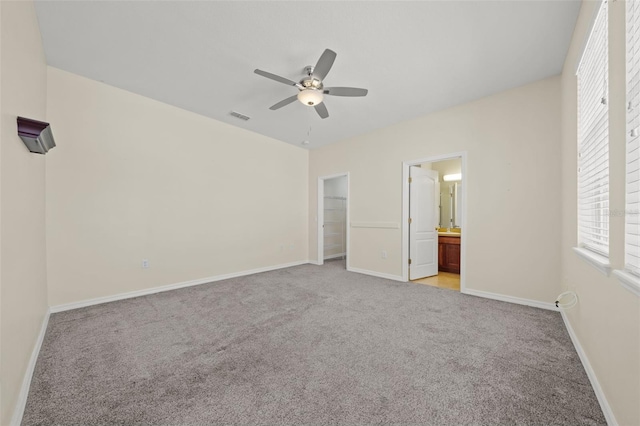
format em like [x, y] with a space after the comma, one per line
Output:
[333, 224]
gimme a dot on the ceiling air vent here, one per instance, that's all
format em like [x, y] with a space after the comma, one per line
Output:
[240, 116]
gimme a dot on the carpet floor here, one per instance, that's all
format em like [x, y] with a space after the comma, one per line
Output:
[309, 345]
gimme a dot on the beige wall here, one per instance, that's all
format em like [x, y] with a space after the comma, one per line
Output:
[23, 283]
[607, 317]
[133, 179]
[511, 137]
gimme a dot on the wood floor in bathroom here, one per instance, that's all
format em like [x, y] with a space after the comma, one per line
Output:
[446, 280]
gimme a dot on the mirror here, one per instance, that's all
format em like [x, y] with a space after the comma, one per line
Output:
[450, 188]
[450, 202]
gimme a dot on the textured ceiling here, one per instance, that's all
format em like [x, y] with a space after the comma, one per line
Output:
[414, 57]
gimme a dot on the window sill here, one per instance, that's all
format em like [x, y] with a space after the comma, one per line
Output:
[596, 260]
[628, 281]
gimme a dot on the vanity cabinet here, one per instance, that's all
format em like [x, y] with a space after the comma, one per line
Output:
[449, 254]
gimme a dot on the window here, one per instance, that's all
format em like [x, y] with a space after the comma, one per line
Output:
[630, 276]
[593, 140]
[632, 207]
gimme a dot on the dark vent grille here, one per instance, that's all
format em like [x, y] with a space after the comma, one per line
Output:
[240, 116]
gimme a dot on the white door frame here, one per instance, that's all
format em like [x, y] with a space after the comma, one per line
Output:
[405, 213]
[320, 221]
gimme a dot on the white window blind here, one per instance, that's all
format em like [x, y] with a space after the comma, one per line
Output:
[593, 139]
[632, 234]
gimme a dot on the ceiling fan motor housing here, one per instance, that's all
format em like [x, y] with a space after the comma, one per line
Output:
[311, 82]
[311, 89]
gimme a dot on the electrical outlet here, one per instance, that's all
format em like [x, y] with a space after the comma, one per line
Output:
[145, 263]
[383, 254]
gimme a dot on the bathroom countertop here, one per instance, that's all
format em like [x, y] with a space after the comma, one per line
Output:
[449, 234]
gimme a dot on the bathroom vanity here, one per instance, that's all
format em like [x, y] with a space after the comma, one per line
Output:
[449, 252]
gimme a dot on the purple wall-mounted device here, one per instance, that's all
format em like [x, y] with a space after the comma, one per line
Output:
[36, 135]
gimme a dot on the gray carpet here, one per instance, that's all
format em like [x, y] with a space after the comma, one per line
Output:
[309, 345]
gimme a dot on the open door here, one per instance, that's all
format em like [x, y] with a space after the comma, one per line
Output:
[423, 234]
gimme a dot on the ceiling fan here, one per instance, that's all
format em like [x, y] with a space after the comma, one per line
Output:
[311, 89]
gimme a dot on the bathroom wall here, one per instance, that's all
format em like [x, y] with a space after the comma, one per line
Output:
[447, 167]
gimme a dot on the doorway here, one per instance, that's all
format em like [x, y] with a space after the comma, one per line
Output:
[434, 221]
[333, 214]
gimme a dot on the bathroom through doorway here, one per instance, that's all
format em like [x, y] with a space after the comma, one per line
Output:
[435, 211]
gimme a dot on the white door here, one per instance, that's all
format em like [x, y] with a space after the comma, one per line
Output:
[423, 236]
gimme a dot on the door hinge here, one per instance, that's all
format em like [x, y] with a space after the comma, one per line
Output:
[409, 261]
[410, 180]
[410, 220]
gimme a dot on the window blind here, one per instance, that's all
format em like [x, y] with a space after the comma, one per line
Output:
[632, 207]
[593, 139]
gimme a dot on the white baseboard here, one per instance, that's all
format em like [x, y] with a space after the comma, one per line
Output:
[604, 404]
[153, 290]
[376, 274]
[602, 399]
[18, 412]
[314, 262]
[512, 299]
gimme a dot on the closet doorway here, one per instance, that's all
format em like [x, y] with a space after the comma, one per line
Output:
[333, 219]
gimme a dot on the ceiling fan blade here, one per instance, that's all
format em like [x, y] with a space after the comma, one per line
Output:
[345, 91]
[275, 77]
[321, 109]
[324, 64]
[283, 102]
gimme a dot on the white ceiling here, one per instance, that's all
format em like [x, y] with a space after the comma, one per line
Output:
[414, 57]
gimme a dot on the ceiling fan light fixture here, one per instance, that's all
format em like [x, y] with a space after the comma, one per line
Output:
[310, 97]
